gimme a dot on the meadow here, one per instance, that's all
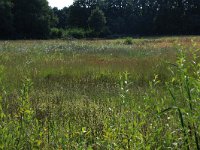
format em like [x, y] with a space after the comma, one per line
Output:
[100, 94]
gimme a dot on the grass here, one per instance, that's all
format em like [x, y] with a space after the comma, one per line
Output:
[100, 94]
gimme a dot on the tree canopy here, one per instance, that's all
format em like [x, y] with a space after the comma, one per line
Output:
[97, 20]
[6, 18]
[33, 19]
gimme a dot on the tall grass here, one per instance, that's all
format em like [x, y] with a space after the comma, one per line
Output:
[76, 95]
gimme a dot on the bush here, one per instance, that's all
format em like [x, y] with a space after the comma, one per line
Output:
[91, 34]
[56, 33]
[128, 41]
[105, 32]
[77, 33]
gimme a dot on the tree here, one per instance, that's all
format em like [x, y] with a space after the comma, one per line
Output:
[91, 4]
[31, 18]
[34, 18]
[6, 19]
[54, 21]
[80, 11]
[78, 16]
[62, 16]
[97, 20]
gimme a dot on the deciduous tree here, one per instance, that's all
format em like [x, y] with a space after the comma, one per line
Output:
[97, 20]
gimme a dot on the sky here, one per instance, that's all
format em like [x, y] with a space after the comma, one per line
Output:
[60, 3]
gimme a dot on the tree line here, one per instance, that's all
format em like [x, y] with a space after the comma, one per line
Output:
[35, 19]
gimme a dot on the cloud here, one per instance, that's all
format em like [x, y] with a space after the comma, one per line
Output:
[60, 3]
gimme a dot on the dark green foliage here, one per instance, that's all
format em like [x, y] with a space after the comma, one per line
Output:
[105, 32]
[54, 20]
[56, 33]
[78, 16]
[97, 20]
[117, 25]
[144, 17]
[6, 18]
[62, 16]
[128, 41]
[77, 33]
[31, 18]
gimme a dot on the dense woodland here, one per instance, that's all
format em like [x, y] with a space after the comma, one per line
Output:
[35, 19]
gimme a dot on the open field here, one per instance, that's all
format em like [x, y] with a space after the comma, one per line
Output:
[100, 94]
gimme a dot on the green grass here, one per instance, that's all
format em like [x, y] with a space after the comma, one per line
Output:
[100, 94]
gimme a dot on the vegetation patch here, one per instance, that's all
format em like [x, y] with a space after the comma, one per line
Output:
[100, 94]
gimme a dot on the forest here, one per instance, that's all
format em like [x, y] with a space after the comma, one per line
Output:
[35, 19]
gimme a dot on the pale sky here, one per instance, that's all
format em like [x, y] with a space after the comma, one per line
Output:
[60, 3]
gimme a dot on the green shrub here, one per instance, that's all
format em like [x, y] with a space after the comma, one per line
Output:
[90, 34]
[128, 41]
[56, 33]
[77, 33]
